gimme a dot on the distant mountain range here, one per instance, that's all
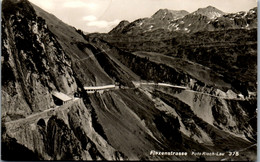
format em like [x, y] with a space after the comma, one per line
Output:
[209, 18]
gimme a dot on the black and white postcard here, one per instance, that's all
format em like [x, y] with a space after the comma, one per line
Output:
[153, 80]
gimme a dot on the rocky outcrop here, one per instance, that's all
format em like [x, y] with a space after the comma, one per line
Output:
[33, 62]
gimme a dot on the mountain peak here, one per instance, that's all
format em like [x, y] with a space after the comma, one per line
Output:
[211, 7]
[161, 12]
[173, 14]
[124, 22]
[119, 28]
[209, 11]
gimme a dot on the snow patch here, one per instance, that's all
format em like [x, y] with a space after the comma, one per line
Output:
[252, 11]
[150, 27]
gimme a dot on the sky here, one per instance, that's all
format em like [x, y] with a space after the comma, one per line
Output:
[103, 15]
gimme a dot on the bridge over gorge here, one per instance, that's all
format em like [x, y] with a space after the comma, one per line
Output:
[45, 115]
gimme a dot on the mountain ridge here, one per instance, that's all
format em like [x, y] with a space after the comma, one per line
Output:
[184, 22]
[166, 13]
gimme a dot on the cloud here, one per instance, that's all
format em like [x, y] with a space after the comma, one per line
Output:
[89, 18]
[80, 4]
[103, 23]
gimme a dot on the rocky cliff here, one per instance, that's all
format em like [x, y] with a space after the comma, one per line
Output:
[63, 134]
[33, 62]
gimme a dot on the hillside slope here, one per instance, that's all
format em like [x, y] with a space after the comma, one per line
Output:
[86, 66]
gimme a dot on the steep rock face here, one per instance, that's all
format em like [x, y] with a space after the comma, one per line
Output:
[33, 63]
[62, 144]
[67, 134]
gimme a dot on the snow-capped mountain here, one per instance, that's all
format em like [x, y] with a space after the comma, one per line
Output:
[210, 11]
[208, 18]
